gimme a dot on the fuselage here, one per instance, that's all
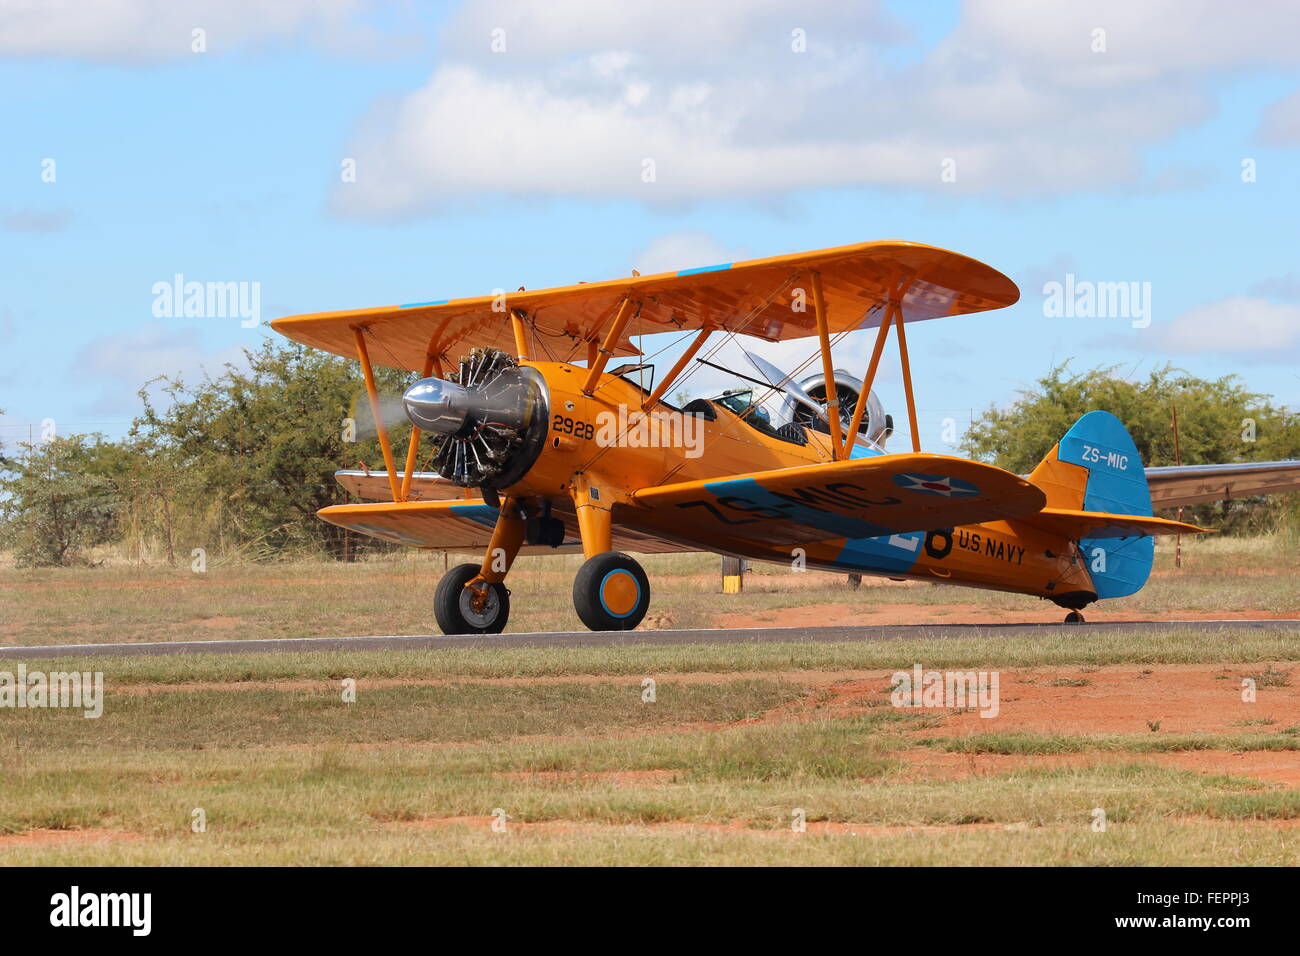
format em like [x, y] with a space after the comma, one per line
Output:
[606, 440]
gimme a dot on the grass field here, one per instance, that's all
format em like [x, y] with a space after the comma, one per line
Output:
[120, 602]
[738, 740]
[747, 753]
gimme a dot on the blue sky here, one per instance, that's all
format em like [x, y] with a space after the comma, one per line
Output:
[479, 169]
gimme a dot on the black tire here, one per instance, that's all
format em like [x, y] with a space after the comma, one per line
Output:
[1074, 617]
[592, 587]
[451, 604]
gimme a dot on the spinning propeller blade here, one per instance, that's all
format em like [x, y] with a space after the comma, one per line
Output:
[778, 379]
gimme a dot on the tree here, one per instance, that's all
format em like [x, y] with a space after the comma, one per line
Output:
[1219, 420]
[56, 502]
[259, 448]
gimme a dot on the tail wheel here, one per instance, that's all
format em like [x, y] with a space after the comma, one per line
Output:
[462, 610]
[611, 592]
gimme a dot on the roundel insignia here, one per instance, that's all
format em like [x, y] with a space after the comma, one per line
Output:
[940, 485]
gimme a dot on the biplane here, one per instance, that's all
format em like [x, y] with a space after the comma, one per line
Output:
[537, 445]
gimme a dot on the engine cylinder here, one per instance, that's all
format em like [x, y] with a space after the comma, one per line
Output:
[874, 426]
[487, 420]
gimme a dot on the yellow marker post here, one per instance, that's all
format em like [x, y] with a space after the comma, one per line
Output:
[733, 575]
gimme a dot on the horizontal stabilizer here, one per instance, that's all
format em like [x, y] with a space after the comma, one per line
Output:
[1072, 524]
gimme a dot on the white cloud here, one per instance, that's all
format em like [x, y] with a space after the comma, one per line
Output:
[675, 33]
[125, 361]
[1278, 287]
[716, 97]
[1280, 125]
[34, 220]
[1243, 326]
[684, 250]
[144, 31]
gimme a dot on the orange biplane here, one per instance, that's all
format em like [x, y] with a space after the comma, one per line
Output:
[538, 446]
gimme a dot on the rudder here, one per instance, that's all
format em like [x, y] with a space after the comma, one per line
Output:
[1096, 467]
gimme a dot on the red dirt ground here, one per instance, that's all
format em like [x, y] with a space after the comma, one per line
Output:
[1279, 767]
[1183, 698]
[39, 838]
[814, 827]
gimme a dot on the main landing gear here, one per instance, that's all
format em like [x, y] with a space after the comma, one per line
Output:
[470, 610]
[610, 592]
[1074, 617]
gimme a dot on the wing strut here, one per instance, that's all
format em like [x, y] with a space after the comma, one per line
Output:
[363, 356]
[521, 334]
[621, 319]
[676, 370]
[907, 380]
[828, 368]
[894, 314]
[860, 408]
[413, 446]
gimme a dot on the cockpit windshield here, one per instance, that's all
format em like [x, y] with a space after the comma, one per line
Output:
[741, 401]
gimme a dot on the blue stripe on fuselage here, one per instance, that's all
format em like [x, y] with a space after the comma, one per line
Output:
[894, 553]
[863, 451]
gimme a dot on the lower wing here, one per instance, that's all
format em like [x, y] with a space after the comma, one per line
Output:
[1179, 485]
[466, 525]
[858, 498]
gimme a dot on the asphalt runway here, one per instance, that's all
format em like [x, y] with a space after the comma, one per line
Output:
[824, 635]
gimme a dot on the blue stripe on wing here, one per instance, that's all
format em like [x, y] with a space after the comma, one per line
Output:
[750, 492]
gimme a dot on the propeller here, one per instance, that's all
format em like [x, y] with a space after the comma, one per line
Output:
[487, 420]
[785, 383]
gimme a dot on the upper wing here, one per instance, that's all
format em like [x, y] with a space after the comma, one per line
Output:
[857, 498]
[1177, 485]
[466, 526]
[769, 298]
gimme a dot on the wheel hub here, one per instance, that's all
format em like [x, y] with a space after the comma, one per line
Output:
[479, 607]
